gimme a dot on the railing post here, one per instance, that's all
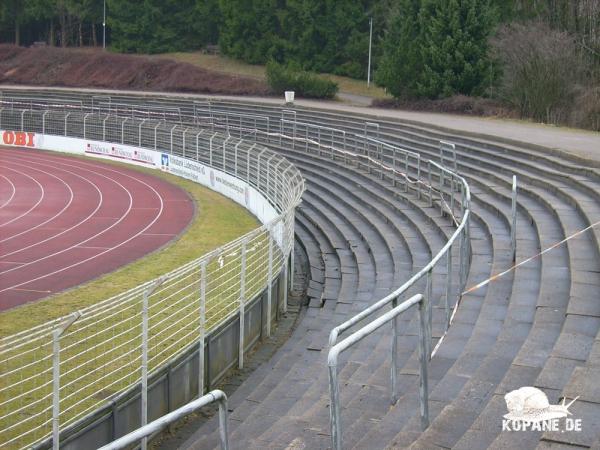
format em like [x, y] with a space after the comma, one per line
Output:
[56, 389]
[452, 198]
[429, 183]
[334, 409]
[419, 177]
[270, 280]
[423, 357]
[242, 306]
[202, 328]
[429, 309]
[394, 363]
[442, 186]
[448, 285]
[394, 174]
[406, 172]
[223, 431]
[513, 228]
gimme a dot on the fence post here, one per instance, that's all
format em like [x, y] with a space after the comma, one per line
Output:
[292, 255]
[210, 145]
[56, 334]
[197, 147]
[513, 228]
[202, 328]
[285, 284]
[55, 389]
[423, 356]
[270, 280]
[235, 158]
[144, 401]
[242, 306]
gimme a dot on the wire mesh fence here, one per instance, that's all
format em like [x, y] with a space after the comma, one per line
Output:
[229, 136]
[55, 374]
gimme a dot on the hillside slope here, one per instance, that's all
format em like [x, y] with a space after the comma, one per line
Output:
[49, 66]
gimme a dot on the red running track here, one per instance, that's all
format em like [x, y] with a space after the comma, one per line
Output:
[66, 220]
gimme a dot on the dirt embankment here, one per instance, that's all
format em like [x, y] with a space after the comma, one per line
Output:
[48, 66]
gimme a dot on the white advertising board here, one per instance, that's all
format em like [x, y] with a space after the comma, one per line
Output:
[237, 190]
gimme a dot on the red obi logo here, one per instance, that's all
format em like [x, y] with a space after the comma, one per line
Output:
[18, 138]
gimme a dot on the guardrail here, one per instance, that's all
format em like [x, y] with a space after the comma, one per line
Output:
[159, 424]
[357, 336]
[365, 151]
[51, 380]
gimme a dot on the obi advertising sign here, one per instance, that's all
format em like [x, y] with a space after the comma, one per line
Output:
[18, 138]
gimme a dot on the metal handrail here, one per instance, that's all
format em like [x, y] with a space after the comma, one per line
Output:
[162, 422]
[357, 336]
[335, 332]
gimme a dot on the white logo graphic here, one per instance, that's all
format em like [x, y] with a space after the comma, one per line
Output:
[529, 409]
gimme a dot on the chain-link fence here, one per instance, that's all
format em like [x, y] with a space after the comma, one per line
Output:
[53, 375]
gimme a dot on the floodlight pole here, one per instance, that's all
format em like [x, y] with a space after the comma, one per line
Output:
[370, 41]
[104, 27]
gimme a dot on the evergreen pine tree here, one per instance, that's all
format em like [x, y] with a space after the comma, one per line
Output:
[400, 63]
[454, 47]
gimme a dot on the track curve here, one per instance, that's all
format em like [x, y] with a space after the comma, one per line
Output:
[65, 220]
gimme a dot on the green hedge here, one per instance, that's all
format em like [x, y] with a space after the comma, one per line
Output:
[305, 84]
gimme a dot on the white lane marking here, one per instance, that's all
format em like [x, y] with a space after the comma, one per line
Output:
[12, 194]
[58, 214]
[65, 230]
[160, 211]
[85, 240]
[34, 206]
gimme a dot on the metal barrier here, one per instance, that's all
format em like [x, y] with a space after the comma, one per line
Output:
[368, 152]
[357, 336]
[50, 380]
[159, 424]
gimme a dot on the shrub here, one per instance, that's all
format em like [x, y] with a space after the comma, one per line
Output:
[541, 69]
[305, 84]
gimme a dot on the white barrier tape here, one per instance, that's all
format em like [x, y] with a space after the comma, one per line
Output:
[501, 274]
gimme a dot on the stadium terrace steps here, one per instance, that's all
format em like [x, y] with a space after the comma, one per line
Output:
[539, 325]
[514, 332]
